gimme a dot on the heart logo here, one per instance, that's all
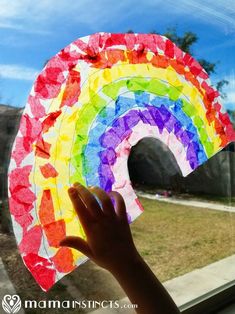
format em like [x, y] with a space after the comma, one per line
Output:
[11, 303]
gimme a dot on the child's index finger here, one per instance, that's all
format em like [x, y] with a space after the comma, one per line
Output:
[89, 200]
[79, 206]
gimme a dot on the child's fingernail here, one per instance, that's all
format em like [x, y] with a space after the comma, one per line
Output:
[72, 191]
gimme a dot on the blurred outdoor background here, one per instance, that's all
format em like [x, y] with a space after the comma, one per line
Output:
[189, 222]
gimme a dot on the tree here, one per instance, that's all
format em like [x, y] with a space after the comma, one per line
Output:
[232, 116]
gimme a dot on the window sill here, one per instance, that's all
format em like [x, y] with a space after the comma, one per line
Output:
[204, 290]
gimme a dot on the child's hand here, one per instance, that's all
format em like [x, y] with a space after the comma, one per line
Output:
[109, 244]
[108, 237]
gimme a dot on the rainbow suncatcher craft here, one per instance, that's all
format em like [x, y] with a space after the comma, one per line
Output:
[91, 103]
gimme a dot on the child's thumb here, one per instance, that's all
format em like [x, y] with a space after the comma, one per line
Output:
[78, 244]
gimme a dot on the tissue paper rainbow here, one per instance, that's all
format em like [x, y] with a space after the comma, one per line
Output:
[91, 103]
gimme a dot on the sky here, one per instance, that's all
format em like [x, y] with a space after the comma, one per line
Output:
[31, 32]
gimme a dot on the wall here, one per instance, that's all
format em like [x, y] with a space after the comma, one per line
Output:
[152, 163]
